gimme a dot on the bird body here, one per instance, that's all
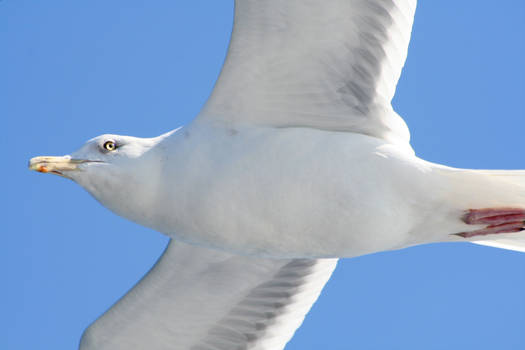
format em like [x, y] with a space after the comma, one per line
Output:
[292, 192]
[297, 153]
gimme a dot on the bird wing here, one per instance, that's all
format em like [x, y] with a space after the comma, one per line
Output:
[201, 299]
[326, 64]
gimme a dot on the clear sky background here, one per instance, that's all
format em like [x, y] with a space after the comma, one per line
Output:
[70, 70]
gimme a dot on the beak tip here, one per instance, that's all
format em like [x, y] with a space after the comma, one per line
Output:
[35, 164]
[32, 165]
[40, 164]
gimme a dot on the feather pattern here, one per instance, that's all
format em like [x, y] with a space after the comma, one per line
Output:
[331, 64]
[201, 299]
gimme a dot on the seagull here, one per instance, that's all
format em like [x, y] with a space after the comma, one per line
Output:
[298, 153]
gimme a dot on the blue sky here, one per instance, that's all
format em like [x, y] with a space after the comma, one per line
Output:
[72, 70]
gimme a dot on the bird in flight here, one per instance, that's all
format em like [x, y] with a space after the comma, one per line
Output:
[297, 155]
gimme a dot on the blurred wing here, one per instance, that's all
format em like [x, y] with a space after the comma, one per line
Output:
[201, 299]
[326, 64]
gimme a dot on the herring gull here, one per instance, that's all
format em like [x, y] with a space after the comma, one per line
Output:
[298, 152]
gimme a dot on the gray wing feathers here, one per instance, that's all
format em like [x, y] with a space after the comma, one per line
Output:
[331, 64]
[269, 314]
[195, 298]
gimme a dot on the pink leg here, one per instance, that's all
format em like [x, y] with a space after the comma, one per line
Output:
[498, 220]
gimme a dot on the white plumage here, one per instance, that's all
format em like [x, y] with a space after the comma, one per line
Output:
[297, 154]
[330, 65]
[196, 298]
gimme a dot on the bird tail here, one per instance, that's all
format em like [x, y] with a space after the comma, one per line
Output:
[504, 189]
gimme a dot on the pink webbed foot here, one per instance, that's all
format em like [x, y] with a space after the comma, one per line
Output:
[498, 220]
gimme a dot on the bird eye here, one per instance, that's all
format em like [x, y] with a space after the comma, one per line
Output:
[110, 146]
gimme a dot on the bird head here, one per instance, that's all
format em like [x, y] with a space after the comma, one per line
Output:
[112, 168]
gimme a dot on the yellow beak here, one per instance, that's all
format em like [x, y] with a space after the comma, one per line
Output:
[55, 165]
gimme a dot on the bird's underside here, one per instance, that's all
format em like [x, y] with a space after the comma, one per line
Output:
[297, 154]
[314, 193]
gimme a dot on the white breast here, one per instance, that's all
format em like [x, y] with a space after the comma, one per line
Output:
[264, 188]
